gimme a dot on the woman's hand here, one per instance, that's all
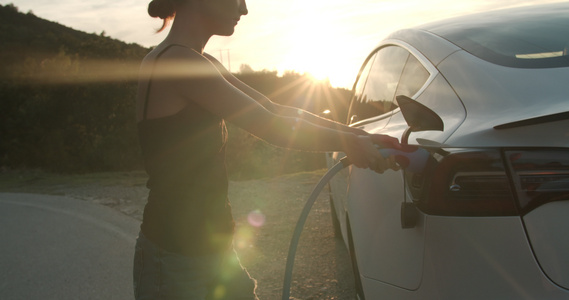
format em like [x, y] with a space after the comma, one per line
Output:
[363, 152]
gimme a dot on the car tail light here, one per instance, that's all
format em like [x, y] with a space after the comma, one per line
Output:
[539, 176]
[466, 183]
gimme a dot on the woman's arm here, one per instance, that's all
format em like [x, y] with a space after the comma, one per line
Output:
[278, 108]
[379, 139]
[206, 86]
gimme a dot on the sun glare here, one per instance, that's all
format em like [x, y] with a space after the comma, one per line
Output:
[315, 47]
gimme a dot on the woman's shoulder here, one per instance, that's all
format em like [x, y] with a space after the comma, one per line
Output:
[169, 51]
[174, 58]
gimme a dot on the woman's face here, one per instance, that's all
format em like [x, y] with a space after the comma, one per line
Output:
[222, 15]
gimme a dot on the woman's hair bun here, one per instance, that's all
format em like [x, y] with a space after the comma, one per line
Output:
[163, 9]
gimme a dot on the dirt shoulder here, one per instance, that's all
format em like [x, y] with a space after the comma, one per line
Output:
[265, 211]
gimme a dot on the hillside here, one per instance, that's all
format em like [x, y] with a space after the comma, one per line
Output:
[66, 97]
[25, 36]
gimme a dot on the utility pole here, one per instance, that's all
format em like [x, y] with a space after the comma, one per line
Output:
[228, 58]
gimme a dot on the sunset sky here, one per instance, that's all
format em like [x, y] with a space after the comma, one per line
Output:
[327, 38]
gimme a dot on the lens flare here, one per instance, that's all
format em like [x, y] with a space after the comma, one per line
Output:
[244, 237]
[219, 292]
[256, 218]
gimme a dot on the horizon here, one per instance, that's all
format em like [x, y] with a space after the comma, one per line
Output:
[326, 39]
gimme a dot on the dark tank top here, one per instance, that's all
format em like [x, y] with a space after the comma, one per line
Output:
[188, 211]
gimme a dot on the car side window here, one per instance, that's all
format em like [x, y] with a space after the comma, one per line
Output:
[360, 85]
[378, 88]
[413, 78]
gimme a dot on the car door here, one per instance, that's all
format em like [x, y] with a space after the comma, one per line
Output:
[370, 109]
[384, 250]
[339, 184]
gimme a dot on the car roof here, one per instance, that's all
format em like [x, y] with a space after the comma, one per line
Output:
[524, 37]
[488, 84]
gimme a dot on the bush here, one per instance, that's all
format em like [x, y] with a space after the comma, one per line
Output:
[249, 157]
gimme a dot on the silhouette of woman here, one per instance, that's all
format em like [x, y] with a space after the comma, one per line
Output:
[185, 96]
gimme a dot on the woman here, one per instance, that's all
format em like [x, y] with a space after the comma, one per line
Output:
[184, 250]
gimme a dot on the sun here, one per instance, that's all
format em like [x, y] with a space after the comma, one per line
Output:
[314, 47]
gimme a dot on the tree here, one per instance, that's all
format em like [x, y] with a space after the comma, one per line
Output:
[245, 69]
[12, 7]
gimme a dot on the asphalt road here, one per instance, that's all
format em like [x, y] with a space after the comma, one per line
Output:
[53, 247]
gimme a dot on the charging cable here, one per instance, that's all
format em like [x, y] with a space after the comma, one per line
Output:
[344, 162]
[411, 159]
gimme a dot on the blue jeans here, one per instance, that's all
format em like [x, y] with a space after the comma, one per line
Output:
[163, 275]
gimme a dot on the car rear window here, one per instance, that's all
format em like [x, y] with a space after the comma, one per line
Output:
[527, 37]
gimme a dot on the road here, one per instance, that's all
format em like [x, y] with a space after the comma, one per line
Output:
[53, 247]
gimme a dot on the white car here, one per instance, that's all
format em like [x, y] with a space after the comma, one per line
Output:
[488, 215]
